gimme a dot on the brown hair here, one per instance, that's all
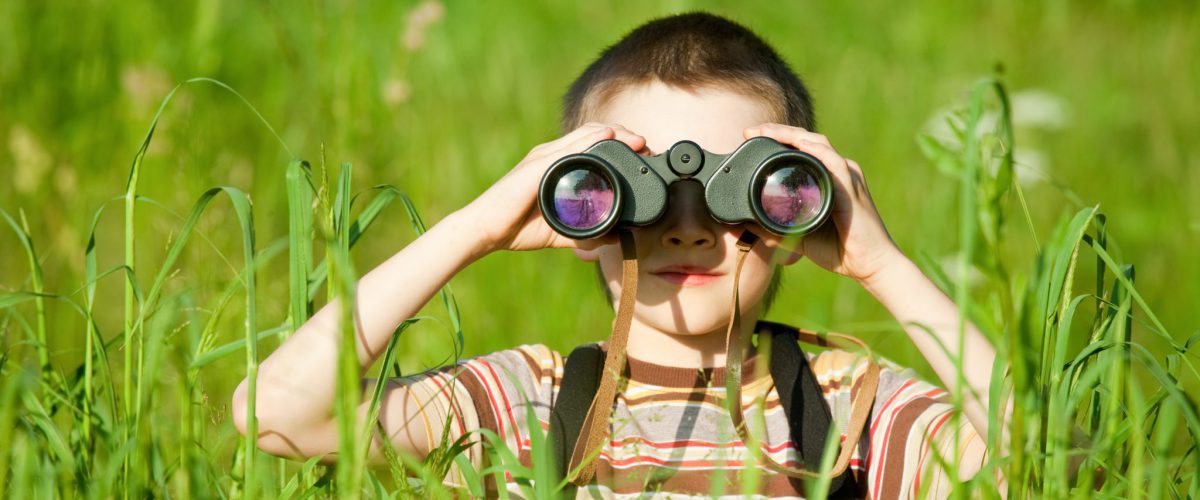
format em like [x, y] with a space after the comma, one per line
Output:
[690, 51]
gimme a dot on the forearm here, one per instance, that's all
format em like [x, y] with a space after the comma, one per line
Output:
[297, 382]
[932, 321]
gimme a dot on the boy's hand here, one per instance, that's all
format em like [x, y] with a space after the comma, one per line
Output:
[854, 242]
[507, 216]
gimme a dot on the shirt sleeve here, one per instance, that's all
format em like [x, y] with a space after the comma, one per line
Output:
[497, 392]
[915, 434]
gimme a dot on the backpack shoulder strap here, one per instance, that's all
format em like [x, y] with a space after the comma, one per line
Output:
[803, 401]
[581, 379]
[808, 413]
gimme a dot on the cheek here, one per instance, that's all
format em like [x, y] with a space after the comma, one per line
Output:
[610, 265]
[756, 276]
[756, 271]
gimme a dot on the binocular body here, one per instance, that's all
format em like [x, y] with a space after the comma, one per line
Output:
[585, 195]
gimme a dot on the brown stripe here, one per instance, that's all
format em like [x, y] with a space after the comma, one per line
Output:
[556, 367]
[836, 384]
[535, 368]
[479, 396]
[895, 453]
[672, 376]
[831, 386]
[483, 412]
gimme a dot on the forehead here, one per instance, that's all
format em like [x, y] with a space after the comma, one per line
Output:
[709, 116]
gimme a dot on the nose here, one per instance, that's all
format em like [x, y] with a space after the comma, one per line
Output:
[687, 224]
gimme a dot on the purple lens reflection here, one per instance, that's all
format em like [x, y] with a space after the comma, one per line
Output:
[583, 199]
[791, 196]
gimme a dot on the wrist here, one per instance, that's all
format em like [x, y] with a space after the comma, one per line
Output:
[894, 267]
[462, 229]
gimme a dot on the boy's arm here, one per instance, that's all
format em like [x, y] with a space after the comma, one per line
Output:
[931, 321]
[855, 243]
[296, 384]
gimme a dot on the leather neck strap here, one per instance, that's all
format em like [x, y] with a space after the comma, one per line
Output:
[595, 424]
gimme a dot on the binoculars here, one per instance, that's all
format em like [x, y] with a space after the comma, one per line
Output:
[585, 195]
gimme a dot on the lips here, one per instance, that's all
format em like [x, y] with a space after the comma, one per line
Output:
[687, 275]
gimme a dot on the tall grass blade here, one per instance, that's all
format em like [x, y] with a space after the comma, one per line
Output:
[300, 247]
[35, 273]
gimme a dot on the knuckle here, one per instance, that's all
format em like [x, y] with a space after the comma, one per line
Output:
[820, 146]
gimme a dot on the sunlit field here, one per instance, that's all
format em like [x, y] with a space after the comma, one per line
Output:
[183, 183]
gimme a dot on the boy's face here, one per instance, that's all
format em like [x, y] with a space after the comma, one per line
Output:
[687, 259]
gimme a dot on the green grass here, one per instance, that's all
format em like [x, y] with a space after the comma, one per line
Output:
[122, 335]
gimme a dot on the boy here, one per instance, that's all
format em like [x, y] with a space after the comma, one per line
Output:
[701, 78]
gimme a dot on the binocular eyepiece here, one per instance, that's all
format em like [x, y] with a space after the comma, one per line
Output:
[585, 195]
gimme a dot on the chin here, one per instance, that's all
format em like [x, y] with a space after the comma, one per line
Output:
[693, 315]
[688, 324]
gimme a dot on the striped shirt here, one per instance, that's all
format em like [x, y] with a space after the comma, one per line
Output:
[671, 437]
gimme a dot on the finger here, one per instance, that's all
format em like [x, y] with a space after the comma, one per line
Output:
[834, 163]
[809, 142]
[535, 166]
[785, 134]
[849, 186]
[585, 141]
[858, 181]
[634, 141]
[569, 137]
[854, 167]
[823, 152]
[538, 157]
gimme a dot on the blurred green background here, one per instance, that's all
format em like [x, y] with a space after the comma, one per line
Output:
[441, 99]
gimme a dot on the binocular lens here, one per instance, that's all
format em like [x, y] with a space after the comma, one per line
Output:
[583, 198]
[791, 196]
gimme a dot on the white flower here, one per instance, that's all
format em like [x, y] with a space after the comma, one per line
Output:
[1037, 108]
